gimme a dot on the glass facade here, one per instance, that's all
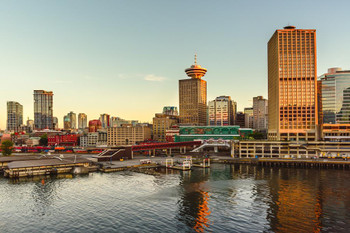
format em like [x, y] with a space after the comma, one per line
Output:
[43, 109]
[335, 97]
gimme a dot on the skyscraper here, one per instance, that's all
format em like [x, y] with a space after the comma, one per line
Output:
[70, 121]
[260, 106]
[43, 109]
[14, 116]
[193, 96]
[334, 99]
[292, 82]
[82, 121]
[248, 118]
[104, 118]
[221, 111]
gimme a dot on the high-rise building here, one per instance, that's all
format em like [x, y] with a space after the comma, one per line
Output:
[55, 123]
[70, 121]
[161, 123]
[240, 119]
[82, 121]
[260, 111]
[248, 118]
[221, 111]
[193, 96]
[292, 82]
[170, 110]
[334, 100]
[14, 116]
[104, 118]
[43, 109]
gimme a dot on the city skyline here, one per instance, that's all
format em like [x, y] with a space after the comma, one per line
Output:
[58, 57]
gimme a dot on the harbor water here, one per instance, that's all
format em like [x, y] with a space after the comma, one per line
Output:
[224, 198]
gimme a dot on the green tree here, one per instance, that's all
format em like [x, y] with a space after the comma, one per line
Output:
[43, 140]
[257, 135]
[6, 147]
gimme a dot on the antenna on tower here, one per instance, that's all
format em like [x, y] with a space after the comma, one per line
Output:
[195, 58]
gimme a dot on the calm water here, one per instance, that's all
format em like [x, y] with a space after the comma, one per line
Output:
[226, 198]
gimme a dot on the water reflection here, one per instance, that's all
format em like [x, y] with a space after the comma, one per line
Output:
[224, 198]
[193, 209]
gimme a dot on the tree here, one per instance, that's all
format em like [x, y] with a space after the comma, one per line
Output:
[257, 135]
[43, 140]
[6, 147]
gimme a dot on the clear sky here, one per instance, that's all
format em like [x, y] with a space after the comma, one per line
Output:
[125, 57]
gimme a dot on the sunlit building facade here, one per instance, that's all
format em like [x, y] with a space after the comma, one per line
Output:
[82, 121]
[221, 111]
[70, 121]
[260, 116]
[43, 109]
[14, 116]
[292, 82]
[334, 97]
[193, 97]
[162, 123]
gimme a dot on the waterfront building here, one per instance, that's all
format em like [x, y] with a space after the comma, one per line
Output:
[161, 123]
[104, 118]
[292, 108]
[63, 140]
[94, 125]
[221, 111]
[94, 139]
[191, 133]
[14, 116]
[240, 119]
[170, 110]
[193, 96]
[334, 99]
[170, 133]
[260, 113]
[82, 121]
[128, 135]
[248, 117]
[43, 109]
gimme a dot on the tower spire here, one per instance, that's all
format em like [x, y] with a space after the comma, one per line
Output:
[195, 58]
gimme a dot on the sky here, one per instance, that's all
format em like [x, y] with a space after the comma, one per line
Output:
[125, 58]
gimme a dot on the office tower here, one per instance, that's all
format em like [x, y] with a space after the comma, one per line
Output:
[104, 118]
[70, 121]
[55, 122]
[221, 111]
[170, 110]
[240, 119]
[248, 117]
[292, 107]
[334, 99]
[260, 106]
[14, 116]
[193, 96]
[43, 109]
[82, 121]
[162, 123]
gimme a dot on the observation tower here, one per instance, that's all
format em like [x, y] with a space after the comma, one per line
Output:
[196, 71]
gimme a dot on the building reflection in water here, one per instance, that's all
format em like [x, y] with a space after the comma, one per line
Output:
[193, 206]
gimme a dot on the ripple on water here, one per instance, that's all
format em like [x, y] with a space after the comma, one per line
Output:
[226, 199]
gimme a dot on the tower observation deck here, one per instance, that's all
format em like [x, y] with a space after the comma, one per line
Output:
[196, 71]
